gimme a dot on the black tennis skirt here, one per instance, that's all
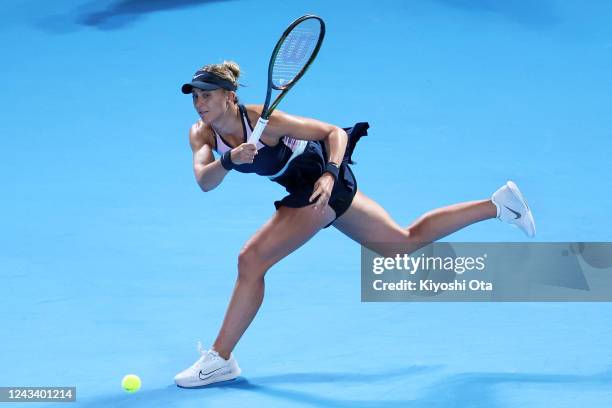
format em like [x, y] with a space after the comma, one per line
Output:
[305, 170]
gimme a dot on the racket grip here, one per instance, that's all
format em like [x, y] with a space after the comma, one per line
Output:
[259, 128]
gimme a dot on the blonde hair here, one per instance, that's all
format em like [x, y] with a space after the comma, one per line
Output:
[228, 70]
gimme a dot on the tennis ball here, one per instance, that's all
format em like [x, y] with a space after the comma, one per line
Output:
[131, 383]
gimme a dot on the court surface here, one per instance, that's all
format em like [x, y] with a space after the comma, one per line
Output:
[112, 261]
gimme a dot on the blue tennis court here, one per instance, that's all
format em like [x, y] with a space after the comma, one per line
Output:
[113, 261]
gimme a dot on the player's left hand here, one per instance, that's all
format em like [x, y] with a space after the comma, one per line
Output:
[322, 191]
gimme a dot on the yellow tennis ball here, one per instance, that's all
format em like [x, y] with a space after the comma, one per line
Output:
[131, 383]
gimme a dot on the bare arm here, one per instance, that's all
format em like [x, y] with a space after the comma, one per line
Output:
[208, 172]
[282, 124]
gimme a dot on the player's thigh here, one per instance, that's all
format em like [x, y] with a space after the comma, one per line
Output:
[368, 223]
[287, 230]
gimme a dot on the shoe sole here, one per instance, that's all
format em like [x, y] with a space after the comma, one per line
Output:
[528, 215]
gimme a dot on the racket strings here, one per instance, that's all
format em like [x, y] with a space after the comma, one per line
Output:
[295, 52]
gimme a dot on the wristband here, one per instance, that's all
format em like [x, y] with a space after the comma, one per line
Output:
[226, 160]
[333, 169]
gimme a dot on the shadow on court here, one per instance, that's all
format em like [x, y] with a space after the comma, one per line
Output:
[456, 390]
[122, 13]
[113, 15]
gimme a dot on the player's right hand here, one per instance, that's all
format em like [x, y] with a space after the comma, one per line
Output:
[244, 154]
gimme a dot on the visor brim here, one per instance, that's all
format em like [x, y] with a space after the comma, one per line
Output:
[205, 86]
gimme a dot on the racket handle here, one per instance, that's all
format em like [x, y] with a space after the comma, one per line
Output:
[259, 128]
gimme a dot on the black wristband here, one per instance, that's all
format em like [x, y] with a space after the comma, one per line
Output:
[333, 169]
[226, 160]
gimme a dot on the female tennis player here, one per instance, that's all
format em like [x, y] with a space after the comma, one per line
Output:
[311, 159]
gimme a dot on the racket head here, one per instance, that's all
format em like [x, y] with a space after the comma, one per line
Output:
[295, 51]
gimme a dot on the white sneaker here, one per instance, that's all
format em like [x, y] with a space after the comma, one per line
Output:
[210, 368]
[513, 209]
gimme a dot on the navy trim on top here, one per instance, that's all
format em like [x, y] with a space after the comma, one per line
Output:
[215, 139]
[246, 115]
[244, 131]
[243, 114]
[225, 141]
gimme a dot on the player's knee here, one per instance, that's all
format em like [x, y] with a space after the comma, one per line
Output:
[251, 263]
[413, 232]
[416, 234]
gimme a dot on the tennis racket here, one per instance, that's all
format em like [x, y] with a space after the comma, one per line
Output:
[292, 56]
